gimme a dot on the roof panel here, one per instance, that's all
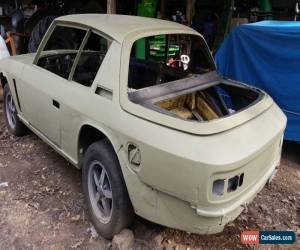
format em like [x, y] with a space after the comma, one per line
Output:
[119, 26]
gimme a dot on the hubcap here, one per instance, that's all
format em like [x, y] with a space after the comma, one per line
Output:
[10, 111]
[100, 192]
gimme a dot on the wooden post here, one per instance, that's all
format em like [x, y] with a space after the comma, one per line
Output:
[11, 43]
[111, 7]
[162, 9]
[189, 11]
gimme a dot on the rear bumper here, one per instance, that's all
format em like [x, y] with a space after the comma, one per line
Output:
[212, 218]
[257, 173]
[243, 202]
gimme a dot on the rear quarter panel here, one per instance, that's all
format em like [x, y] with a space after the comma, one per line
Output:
[183, 164]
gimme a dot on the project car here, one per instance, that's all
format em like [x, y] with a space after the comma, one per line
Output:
[137, 104]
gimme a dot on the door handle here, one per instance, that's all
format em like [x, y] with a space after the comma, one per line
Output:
[56, 104]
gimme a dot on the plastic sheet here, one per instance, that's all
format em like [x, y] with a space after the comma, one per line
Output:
[267, 55]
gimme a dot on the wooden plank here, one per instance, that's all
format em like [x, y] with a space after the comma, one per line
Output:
[205, 110]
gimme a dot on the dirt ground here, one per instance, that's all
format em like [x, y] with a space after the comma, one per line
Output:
[43, 205]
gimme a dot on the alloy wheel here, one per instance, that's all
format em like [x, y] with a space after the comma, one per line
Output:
[100, 192]
[11, 112]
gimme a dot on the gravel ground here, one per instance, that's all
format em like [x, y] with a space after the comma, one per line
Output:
[43, 205]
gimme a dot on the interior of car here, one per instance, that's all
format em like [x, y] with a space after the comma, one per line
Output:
[59, 57]
[59, 64]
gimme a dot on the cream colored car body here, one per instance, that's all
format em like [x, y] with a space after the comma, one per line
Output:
[180, 160]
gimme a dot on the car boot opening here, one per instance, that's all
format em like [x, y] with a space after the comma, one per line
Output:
[209, 104]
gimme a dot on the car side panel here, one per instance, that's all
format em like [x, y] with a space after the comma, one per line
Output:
[89, 106]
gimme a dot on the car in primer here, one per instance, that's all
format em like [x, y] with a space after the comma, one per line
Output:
[138, 105]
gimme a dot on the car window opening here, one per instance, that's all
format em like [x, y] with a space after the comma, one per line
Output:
[165, 58]
[62, 48]
[169, 62]
[91, 59]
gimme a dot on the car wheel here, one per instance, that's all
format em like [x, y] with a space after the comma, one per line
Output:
[107, 198]
[38, 33]
[13, 123]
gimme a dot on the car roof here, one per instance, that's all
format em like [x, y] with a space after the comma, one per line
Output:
[120, 26]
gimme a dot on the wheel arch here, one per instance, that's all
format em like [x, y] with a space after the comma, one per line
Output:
[3, 79]
[118, 147]
[88, 134]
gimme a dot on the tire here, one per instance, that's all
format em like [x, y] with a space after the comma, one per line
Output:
[38, 33]
[104, 186]
[12, 121]
[37, 16]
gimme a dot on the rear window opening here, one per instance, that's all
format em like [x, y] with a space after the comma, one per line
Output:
[165, 58]
[175, 75]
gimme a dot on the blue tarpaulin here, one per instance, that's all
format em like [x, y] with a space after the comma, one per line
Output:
[267, 55]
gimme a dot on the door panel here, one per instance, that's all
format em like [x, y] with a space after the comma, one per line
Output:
[43, 83]
[40, 92]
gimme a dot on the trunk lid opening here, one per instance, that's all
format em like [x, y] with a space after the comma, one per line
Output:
[198, 98]
[208, 104]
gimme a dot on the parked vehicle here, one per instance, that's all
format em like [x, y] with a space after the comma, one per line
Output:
[137, 104]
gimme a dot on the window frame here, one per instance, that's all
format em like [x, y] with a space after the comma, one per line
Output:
[81, 48]
[87, 29]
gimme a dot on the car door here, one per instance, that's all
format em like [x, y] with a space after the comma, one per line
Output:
[45, 80]
[85, 96]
